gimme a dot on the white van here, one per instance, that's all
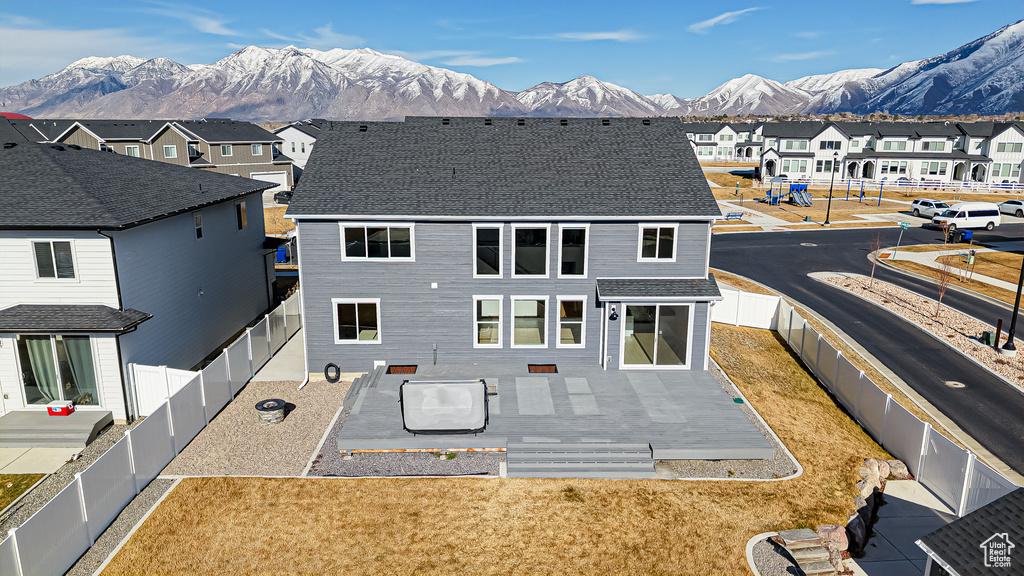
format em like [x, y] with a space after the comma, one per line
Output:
[969, 215]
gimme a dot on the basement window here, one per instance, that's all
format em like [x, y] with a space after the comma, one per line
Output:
[402, 369]
[543, 368]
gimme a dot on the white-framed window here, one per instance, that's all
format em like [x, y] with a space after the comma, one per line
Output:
[531, 250]
[725, 137]
[57, 367]
[854, 143]
[302, 146]
[705, 137]
[1005, 170]
[572, 322]
[377, 241]
[656, 336]
[356, 320]
[197, 219]
[893, 167]
[796, 144]
[889, 145]
[794, 165]
[193, 150]
[705, 150]
[529, 321]
[170, 151]
[54, 259]
[830, 145]
[488, 247]
[293, 147]
[573, 250]
[933, 168]
[657, 243]
[933, 146]
[487, 321]
[132, 151]
[826, 166]
[257, 149]
[240, 219]
[225, 150]
[725, 151]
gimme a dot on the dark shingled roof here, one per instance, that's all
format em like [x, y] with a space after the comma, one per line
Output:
[422, 168]
[49, 318]
[307, 128]
[959, 542]
[227, 131]
[988, 129]
[210, 129]
[51, 186]
[917, 130]
[616, 289]
[793, 129]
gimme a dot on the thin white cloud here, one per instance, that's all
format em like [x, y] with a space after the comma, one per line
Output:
[277, 36]
[326, 38]
[429, 54]
[941, 1]
[800, 56]
[609, 35]
[35, 53]
[480, 61]
[726, 18]
[200, 19]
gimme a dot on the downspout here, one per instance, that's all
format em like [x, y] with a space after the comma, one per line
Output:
[302, 310]
[129, 396]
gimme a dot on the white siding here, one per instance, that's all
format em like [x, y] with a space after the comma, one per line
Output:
[291, 136]
[108, 374]
[10, 383]
[94, 281]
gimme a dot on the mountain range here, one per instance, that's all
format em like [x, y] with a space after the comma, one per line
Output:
[985, 76]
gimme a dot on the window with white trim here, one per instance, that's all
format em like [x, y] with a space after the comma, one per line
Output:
[257, 149]
[826, 166]
[796, 144]
[705, 137]
[225, 150]
[933, 146]
[657, 243]
[487, 321]
[572, 250]
[54, 259]
[1009, 147]
[830, 145]
[377, 242]
[356, 321]
[197, 219]
[170, 151]
[132, 151]
[571, 321]
[1005, 170]
[889, 145]
[794, 165]
[933, 168]
[529, 321]
[193, 151]
[705, 150]
[725, 137]
[487, 244]
[530, 253]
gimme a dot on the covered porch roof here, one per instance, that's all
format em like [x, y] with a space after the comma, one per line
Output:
[64, 318]
[658, 289]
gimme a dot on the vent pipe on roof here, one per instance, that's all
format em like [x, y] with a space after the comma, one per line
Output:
[605, 122]
[646, 121]
[521, 122]
[563, 122]
[362, 128]
[487, 122]
[453, 172]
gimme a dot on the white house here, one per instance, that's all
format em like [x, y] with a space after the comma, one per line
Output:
[297, 140]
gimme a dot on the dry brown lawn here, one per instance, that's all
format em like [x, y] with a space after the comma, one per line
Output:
[841, 209]
[522, 526]
[973, 285]
[730, 164]
[1002, 265]
[275, 221]
[934, 247]
[722, 230]
[728, 180]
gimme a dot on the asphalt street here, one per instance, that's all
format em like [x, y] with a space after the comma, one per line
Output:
[987, 408]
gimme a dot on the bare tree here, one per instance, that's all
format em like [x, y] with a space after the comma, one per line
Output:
[944, 275]
[874, 246]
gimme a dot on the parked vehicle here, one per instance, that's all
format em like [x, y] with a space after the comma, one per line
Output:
[1015, 207]
[283, 196]
[969, 215]
[928, 207]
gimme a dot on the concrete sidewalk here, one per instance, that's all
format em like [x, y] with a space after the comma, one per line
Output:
[928, 259]
[909, 512]
[288, 364]
[34, 460]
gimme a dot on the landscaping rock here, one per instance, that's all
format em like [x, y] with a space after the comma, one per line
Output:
[898, 470]
[818, 568]
[857, 533]
[863, 472]
[801, 538]
[871, 464]
[808, 555]
[866, 487]
[834, 535]
[883, 469]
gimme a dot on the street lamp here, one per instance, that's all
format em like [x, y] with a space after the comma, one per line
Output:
[835, 165]
[1009, 349]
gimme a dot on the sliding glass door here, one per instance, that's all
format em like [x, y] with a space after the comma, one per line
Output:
[57, 368]
[656, 336]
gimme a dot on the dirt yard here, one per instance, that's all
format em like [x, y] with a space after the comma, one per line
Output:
[274, 220]
[522, 526]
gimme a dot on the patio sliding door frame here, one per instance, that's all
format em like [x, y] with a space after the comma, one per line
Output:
[624, 305]
[97, 371]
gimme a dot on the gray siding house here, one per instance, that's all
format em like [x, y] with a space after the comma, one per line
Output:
[465, 241]
[108, 260]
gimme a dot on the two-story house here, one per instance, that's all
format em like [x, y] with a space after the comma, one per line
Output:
[297, 139]
[788, 150]
[107, 259]
[463, 240]
[1003, 143]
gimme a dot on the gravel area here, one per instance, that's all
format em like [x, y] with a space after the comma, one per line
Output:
[781, 464]
[951, 326]
[236, 443]
[60, 479]
[119, 528]
[773, 560]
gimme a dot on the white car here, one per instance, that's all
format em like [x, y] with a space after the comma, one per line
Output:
[928, 207]
[1015, 207]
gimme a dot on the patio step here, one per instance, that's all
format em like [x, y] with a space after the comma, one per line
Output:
[368, 380]
[36, 429]
[584, 460]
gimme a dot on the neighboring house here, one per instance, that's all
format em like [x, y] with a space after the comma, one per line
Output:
[477, 240]
[217, 145]
[749, 139]
[1003, 142]
[108, 260]
[297, 140]
[703, 137]
[788, 149]
[986, 542]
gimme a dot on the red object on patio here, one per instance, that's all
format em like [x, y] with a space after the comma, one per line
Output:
[60, 408]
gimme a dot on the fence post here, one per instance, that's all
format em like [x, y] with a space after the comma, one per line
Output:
[270, 346]
[860, 388]
[885, 417]
[85, 512]
[202, 391]
[131, 461]
[248, 346]
[12, 534]
[924, 451]
[227, 364]
[167, 380]
[835, 379]
[817, 357]
[971, 458]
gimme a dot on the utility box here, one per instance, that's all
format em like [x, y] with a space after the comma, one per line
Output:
[988, 338]
[60, 408]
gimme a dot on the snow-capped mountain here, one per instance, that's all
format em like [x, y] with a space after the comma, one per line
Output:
[984, 76]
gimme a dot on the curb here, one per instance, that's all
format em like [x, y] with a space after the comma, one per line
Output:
[750, 549]
[930, 280]
[323, 440]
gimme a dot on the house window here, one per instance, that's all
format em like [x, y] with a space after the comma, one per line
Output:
[57, 368]
[933, 146]
[796, 144]
[132, 151]
[530, 321]
[170, 151]
[830, 145]
[572, 251]
[381, 241]
[725, 151]
[1008, 146]
[854, 143]
[356, 321]
[705, 137]
[705, 150]
[54, 260]
[225, 149]
[487, 323]
[825, 166]
[302, 145]
[293, 146]
[240, 220]
[257, 149]
[571, 321]
[198, 219]
[894, 146]
[531, 251]
[193, 151]
[488, 243]
[893, 167]
[657, 243]
[1005, 170]
[933, 168]
[794, 165]
[725, 138]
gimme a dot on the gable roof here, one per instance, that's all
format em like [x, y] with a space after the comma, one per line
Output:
[793, 129]
[958, 543]
[209, 129]
[466, 169]
[54, 186]
[307, 128]
[227, 131]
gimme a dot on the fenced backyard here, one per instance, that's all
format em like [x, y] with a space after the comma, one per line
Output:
[177, 405]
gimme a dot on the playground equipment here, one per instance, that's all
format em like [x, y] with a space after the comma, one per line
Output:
[797, 194]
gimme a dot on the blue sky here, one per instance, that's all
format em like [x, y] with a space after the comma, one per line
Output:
[683, 47]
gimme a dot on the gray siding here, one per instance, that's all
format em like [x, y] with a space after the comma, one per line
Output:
[415, 317]
[162, 267]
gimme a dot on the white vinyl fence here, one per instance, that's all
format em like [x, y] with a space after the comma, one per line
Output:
[952, 473]
[178, 405]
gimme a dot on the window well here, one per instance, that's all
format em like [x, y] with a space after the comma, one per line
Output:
[402, 369]
[543, 368]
